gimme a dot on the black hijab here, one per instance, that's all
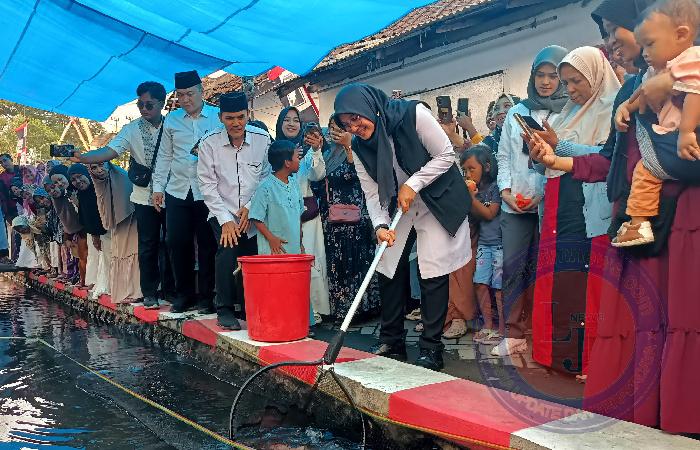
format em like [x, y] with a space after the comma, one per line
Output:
[386, 114]
[88, 213]
[279, 134]
[627, 14]
[16, 182]
[623, 13]
[59, 169]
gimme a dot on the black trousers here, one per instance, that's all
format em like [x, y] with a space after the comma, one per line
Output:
[187, 220]
[154, 262]
[396, 292]
[229, 289]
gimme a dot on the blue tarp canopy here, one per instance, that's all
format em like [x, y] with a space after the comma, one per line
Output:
[85, 57]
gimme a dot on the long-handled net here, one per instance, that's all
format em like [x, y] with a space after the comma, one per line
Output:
[328, 359]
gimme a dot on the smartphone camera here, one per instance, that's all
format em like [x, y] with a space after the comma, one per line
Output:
[462, 106]
[311, 127]
[444, 106]
[61, 150]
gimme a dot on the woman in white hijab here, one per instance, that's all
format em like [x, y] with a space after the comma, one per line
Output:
[575, 221]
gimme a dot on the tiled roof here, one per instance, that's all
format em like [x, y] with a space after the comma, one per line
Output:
[213, 87]
[102, 139]
[416, 19]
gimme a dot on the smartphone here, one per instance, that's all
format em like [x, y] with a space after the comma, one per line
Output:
[526, 128]
[61, 150]
[311, 127]
[462, 106]
[532, 123]
[444, 106]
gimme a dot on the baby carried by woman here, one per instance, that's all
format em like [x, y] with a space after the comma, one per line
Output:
[668, 143]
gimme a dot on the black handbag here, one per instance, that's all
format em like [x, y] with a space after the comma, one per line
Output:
[311, 210]
[139, 174]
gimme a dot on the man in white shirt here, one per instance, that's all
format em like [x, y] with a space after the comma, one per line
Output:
[175, 186]
[140, 138]
[232, 162]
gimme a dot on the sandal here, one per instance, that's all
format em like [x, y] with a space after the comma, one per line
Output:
[419, 327]
[481, 335]
[457, 329]
[630, 235]
[414, 315]
[509, 346]
[493, 338]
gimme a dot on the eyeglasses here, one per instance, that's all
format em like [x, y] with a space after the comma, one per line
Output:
[147, 105]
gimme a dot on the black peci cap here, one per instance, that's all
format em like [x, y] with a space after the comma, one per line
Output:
[184, 80]
[233, 102]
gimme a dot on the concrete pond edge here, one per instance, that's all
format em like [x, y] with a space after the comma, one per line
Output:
[407, 400]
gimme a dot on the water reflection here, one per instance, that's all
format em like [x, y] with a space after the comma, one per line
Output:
[48, 401]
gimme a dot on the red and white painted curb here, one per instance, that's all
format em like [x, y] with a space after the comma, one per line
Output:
[455, 409]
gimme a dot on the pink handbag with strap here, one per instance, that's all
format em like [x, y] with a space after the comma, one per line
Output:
[341, 212]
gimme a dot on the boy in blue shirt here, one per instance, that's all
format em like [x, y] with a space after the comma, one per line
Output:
[277, 205]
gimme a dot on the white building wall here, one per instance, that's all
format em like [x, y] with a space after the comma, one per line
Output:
[570, 26]
[266, 108]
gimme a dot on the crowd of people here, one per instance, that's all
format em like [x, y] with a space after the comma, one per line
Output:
[572, 221]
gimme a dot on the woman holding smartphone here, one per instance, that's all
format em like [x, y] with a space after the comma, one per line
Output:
[576, 218]
[521, 189]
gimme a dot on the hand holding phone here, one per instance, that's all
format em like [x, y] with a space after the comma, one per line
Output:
[61, 150]
[444, 107]
[462, 107]
[311, 127]
[526, 128]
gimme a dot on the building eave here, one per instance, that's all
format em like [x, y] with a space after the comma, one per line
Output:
[449, 31]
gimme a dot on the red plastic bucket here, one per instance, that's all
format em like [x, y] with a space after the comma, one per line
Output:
[277, 296]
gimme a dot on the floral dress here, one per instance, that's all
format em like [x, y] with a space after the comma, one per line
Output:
[349, 247]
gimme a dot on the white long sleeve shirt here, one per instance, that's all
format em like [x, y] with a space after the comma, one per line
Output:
[438, 252]
[439, 147]
[311, 168]
[514, 171]
[176, 168]
[228, 177]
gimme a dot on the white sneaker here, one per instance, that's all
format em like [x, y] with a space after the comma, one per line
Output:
[509, 346]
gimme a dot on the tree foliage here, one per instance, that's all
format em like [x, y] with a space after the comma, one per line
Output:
[44, 128]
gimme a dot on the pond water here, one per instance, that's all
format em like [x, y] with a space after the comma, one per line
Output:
[49, 401]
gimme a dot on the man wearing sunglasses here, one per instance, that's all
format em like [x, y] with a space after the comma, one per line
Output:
[140, 138]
